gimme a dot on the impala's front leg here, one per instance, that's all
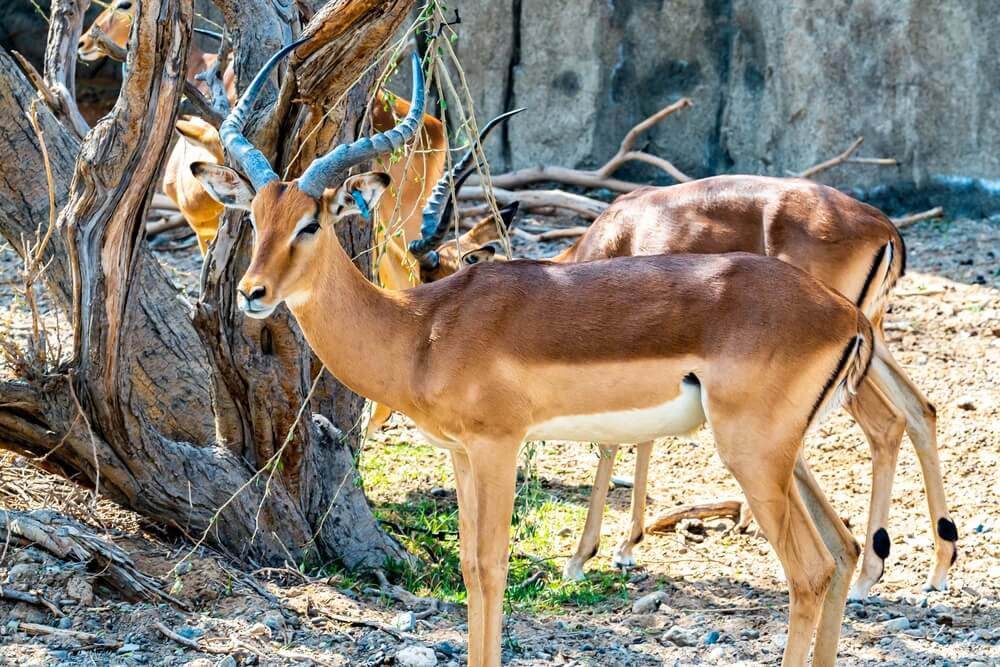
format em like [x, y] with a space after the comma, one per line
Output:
[486, 475]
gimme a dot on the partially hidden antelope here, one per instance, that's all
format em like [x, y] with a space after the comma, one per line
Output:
[413, 176]
[850, 246]
[622, 350]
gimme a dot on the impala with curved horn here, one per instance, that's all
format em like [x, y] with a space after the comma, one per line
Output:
[850, 246]
[621, 350]
[413, 177]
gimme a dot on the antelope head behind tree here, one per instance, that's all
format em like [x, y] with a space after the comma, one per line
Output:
[291, 218]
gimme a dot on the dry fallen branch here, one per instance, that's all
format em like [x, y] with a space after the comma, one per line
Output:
[908, 220]
[38, 629]
[30, 598]
[726, 509]
[36, 80]
[190, 643]
[846, 158]
[173, 222]
[585, 207]
[70, 540]
[552, 234]
[602, 177]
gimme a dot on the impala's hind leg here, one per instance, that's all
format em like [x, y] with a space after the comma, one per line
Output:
[623, 552]
[883, 425]
[921, 426]
[843, 548]
[763, 463]
[591, 538]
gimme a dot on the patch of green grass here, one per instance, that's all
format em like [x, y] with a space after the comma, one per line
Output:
[398, 479]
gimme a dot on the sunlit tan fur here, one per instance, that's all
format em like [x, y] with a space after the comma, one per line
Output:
[478, 359]
[819, 229]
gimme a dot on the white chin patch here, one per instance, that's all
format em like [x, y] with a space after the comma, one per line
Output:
[88, 56]
[259, 313]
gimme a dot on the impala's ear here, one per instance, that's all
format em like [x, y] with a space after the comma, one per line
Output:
[479, 255]
[198, 133]
[224, 185]
[508, 212]
[357, 196]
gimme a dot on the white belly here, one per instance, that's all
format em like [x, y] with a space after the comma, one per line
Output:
[676, 417]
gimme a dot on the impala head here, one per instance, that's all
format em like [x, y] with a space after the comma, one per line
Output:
[115, 22]
[439, 258]
[479, 244]
[294, 221]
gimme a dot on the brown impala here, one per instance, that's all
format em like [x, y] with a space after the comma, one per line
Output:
[850, 246]
[622, 350]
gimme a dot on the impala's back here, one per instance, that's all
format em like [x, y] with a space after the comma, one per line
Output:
[849, 245]
[704, 332]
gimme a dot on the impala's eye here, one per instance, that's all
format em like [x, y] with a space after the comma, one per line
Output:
[125, 5]
[311, 228]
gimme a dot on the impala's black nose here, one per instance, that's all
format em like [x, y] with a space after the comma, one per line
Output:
[256, 293]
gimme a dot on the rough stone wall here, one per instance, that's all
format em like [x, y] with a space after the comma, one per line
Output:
[777, 84]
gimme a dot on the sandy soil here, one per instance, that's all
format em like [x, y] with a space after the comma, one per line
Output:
[944, 327]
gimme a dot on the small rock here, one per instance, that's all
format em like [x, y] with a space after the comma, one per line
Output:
[80, 589]
[712, 637]
[228, 661]
[200, 662]
[644, 620]
[191, 633]
[565, 532]
[183, 568]
[622, 482]
[446, 649]
[945, 619]
[416, 656]
[129, 648]
[22, 611]
[65, 623]
[897, 624]
[966, 403]
[438, 492]
[405, 621]
[274, 621]
[678, 636]
[258, 630]
[977, 663]
[749, 633]
[780, 640]
[649, 603]
[716, 653]
[692, 526]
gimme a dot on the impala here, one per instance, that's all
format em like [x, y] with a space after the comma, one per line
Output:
[850, 246]
[412, 176]
[612, 351]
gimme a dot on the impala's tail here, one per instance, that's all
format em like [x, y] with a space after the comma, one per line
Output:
[849, 374]
[887, 267]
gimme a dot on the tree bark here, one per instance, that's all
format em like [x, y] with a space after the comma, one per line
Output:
[128, 413]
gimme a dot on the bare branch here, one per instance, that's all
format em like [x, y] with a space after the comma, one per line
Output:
[601, 177]
[36, 80]
[666, 522]
[845, 158]
[908, 220]
[65, 25]
[530, 199]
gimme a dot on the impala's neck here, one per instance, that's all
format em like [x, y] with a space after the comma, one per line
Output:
[363, 334]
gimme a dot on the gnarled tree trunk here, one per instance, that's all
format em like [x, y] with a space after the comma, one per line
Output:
[130, 411]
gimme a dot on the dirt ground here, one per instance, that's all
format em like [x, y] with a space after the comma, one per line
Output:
[724, 591]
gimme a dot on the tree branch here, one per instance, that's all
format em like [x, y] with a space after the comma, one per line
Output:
[845, 158]
[602, 176]
[65, 25]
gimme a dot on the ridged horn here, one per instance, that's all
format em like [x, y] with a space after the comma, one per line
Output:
[336, 163]
[437, 211]
[238, 147]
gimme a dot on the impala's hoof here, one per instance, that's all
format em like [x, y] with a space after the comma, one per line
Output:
[573, 571]
[623, 562]
[859, 591]
[931, 585]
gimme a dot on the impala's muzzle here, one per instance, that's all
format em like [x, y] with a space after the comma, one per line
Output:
[251, 300]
